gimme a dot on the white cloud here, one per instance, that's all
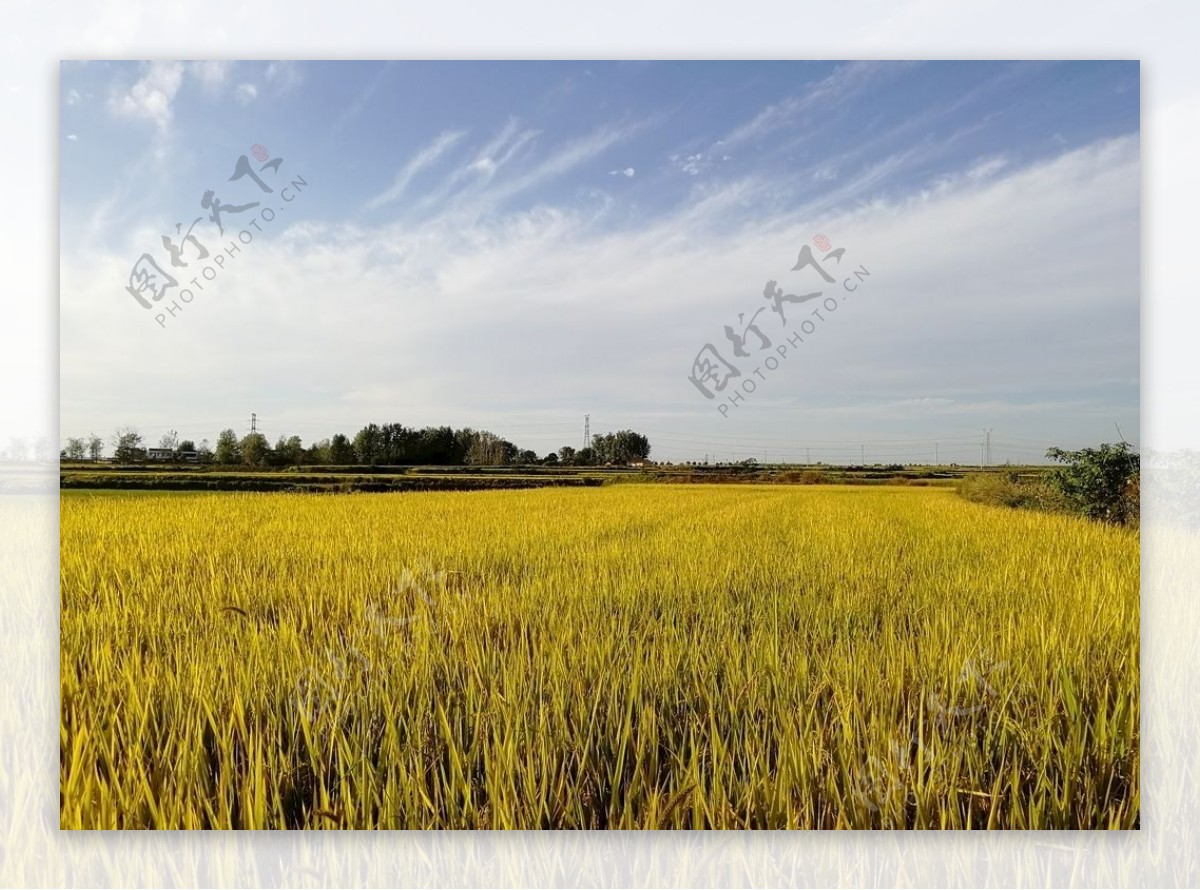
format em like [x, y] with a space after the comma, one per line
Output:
[72, 97]
[284, 76]
[212, 75]
[690, 164]
[71, 137]
[628, 172]
[245, 93]
[825, 174]
[152, 96]
[565, 158]
[972, 311]
[987, 168]
[500, 150]
[841, 84]
[426, 157]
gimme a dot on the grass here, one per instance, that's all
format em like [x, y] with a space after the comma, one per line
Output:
[623, 657]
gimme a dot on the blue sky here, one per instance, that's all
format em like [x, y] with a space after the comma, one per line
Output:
[512, 245]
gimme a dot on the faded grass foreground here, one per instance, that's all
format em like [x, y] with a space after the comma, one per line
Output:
[630, 657]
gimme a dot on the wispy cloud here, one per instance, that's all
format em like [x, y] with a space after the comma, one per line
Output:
[284, 76]
[212, 75]
[426, 157]
[566, 158]
[500, 150]
[245, 93]
[473, 177]
[842, 84]
[690, 164]
[946, 315]
[628, 173]
[987, 168]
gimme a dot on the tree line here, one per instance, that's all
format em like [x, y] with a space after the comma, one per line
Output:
[386, 444]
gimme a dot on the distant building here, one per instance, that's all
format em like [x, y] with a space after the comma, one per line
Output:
[172, 454]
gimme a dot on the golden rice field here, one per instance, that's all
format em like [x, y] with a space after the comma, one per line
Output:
[626, 657]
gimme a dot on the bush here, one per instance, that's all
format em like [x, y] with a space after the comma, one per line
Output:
[803, 477]
[1100, 483]
[1132, 502]
[1010, 490]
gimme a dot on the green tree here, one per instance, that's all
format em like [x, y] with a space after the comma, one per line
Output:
[318, 452]
[489, 450]
[187, 445]
[566, 454]
[1098, 481]
[95, 447]
[229, 450]
[289, 452]
[255, 449]
[621, 447]
[341, 452]
[76, 449]
[368, 444]
[127, 446]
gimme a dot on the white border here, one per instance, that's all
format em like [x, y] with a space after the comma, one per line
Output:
[34, 852]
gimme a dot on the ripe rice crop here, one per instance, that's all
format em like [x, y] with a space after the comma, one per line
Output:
[637, 656]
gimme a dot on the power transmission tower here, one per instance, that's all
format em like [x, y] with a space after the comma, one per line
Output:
[936, 461]
[587, 431]
[253, 423]
[987, 447]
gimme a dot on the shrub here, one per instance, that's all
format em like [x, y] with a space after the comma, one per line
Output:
[1100, 483]
[1010, 490]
